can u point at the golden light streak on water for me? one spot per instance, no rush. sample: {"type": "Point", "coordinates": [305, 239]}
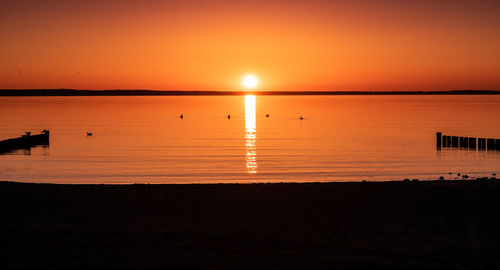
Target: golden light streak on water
{"type": "Point", "coordinates": [250, 134]}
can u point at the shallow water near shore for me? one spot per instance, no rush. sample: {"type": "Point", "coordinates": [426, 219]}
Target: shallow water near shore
{"type": "Point", "coordinates": [141, 139]}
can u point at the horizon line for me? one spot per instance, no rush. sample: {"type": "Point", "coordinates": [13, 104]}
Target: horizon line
{"type": "Point", "coordinates": [146, 92]}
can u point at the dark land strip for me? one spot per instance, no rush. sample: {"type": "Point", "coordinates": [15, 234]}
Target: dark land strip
{"type": "Point", "coordinates": [395, 225]}
{"type": "Point", "coordinates": [74, 92]}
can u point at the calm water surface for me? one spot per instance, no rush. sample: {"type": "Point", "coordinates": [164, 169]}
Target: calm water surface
{"type": "Point", "coordinates": [342, 138]}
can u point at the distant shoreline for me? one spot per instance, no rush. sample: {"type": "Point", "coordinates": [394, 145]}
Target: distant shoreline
{"type": "Point", "coordinates": [74, 92]}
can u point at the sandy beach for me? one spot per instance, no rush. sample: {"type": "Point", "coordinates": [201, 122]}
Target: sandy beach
{"type": "Point", "coordinates": [404, 225]}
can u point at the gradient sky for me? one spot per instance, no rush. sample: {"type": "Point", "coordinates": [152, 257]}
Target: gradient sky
{"type": "Point", "coordinates": [289, 45]}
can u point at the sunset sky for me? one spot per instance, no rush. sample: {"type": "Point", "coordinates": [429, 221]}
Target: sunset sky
{"type": "Point", "coordinates": [288, 45]}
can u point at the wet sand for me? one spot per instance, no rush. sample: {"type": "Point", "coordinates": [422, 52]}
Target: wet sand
{"type": "Point", "coordinates": [402, 225]}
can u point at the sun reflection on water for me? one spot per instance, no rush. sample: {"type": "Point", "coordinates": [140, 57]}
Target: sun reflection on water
{"type": "Point", "coordinates": [250, 134]}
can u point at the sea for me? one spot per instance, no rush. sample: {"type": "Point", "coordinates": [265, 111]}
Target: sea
{"type": "Point", "coordinates": [248, 139]}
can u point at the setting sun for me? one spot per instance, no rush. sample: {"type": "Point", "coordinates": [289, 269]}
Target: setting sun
{"type": "Point", "coordinates": [250, 81]}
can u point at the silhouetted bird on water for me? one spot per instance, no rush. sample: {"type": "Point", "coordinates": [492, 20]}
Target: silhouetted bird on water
{"type": "Point", "coordinates": [301, 118]}
{"type": "Point", "coordinates": [228, 116]}
{"type": "Point", "coordinates": [89, 133]}
{"type": "Point", "coordinates": [27, 133]}
{"type": "Point", "coordinates": [182, 116]}
{"type": "Point", "coordinates": [267, 115]}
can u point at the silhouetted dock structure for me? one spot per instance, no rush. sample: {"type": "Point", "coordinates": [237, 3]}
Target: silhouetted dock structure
{"type": "Point", "coordinates": [446, 141]}
{"type": "Point", "coordinates": [25, 142]}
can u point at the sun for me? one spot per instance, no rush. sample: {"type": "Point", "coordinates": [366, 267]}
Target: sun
{"type": "Point", "coordinates": [250, 81]}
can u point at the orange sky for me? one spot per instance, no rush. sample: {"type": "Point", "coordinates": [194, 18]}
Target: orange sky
{"type": "Point", "coordinates": [289, 45]}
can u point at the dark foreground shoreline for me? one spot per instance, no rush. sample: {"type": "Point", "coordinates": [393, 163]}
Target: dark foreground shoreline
{"type": "Point", "coordinates": [395, 225]}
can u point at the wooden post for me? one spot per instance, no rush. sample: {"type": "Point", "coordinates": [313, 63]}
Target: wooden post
{"type": "Point", "coordinates": [491, 144]}
{"type": "Point", "coordinates": [454, 141]}
{"type": "Point", "coordinates": [481, 143]}
{"type": "Point", "coordinates": [464, 142]}
{"type": "Point", "coordinates": [438, 140]}
{"type": "Point", "coordinates": [472, 143]}
{"type": "Point", "coordinates": [448, 141]}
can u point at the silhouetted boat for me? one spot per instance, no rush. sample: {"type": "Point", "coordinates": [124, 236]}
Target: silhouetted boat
{"type": "Point", "coordinates": [25, 142]}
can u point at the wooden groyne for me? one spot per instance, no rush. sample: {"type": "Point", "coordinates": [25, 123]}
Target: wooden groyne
{"type": "Point", "coordinates": [25, 142]}
{"type": "Point", "coordinates": [483, 144]}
